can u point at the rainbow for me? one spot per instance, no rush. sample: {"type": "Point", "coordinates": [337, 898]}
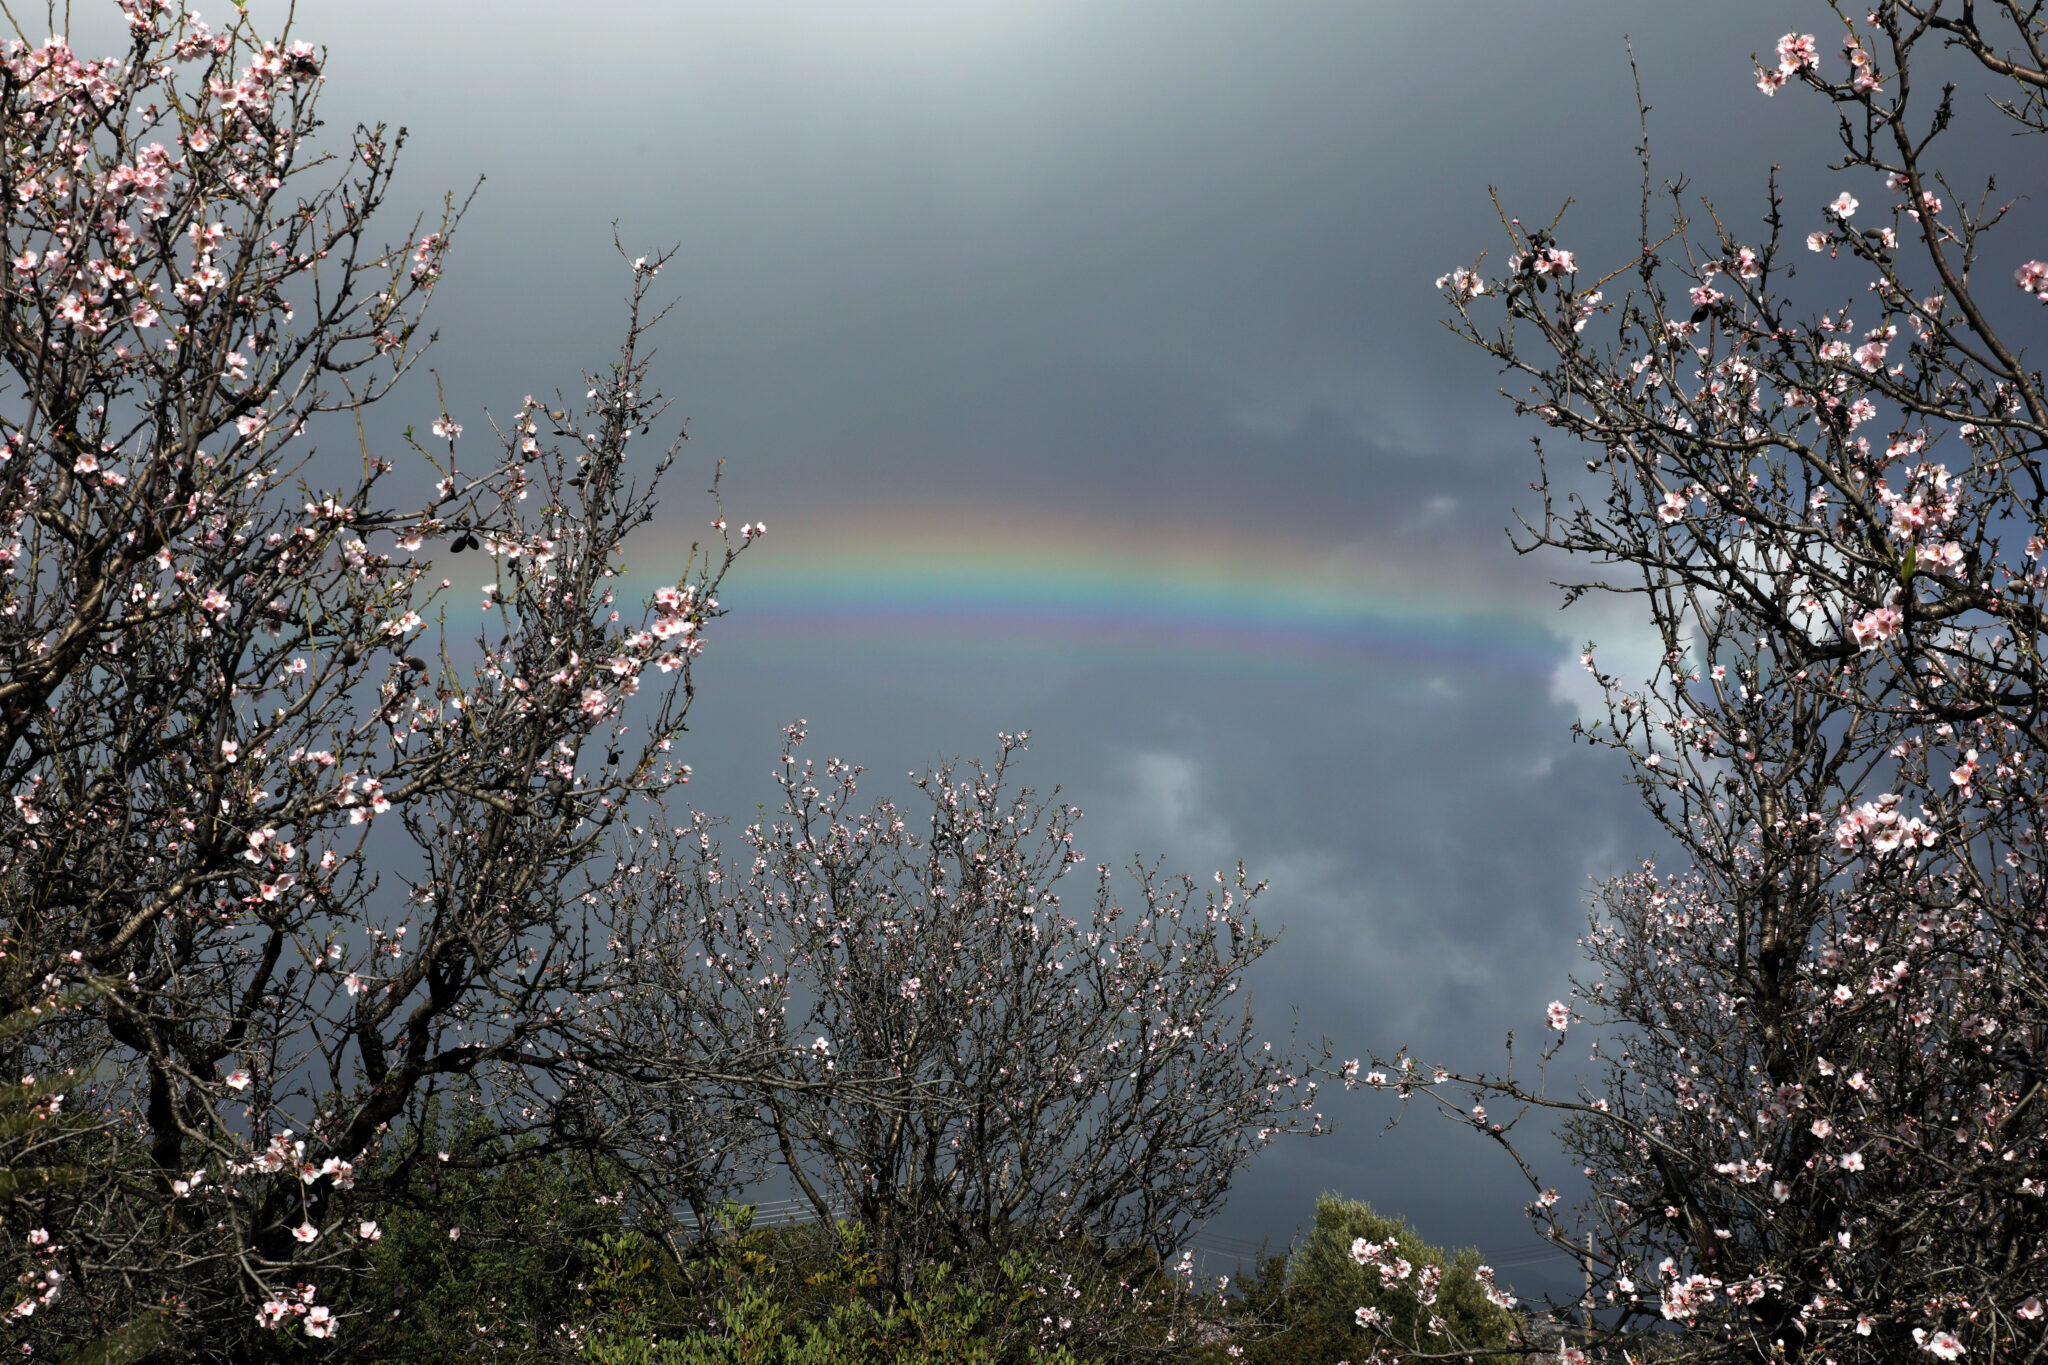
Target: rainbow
{"type": "Point", "coordinates": [989, 585]}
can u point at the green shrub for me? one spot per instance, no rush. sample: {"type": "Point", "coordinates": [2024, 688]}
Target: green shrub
{"type": "Point", "coordinates": [1298, 1309]}
{"type": "Point", "coordinates": [805, 1296]}
{"type": "Point", "coordinates": [532, 1226]}
{"type": "Point", "coordinates": [1341, 1285]}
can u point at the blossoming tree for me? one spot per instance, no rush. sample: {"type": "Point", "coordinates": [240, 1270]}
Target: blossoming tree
{"type": "Point", "coordinates": [1081, 1087]}
{"type": "Point", "coordinates": [1817, 1128]}
{"type": "Point", "coordinates": [222, 697]}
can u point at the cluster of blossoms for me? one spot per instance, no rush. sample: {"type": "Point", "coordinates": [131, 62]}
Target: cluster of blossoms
{"type": "Point", "coordinates": [1464, 284]}
{"type": "Point", "coordinates": [285, 1153]}
{"type": "Point", "coordinates": [1546, 261]}
{"type": "Point", "coordinates": [1877, 626]}
{"type": "Point", "coordinates": [1796, 53]}
{"type": "Point", "coordinates": [41, 1281]}
{"type": "Point", "coordinates": [2032, 278]}
{"type": "Point", "coordinates": [315, 1320]}
{"type": "Point", "coordinates": [1881, 827]}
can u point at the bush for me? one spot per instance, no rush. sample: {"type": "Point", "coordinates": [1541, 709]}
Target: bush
{"type": "Point", "coordinates": [493, 1250]}
{"type": "Point", "coordinates": [804, 1296]}
{"type": "Point", "coordinates": [1298, 1309]}
{"type": "Point", "coordinates": [1325, 1270]}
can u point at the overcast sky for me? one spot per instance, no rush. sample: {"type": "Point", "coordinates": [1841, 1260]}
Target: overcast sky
{"type": "Point", "coordinates": [1084, 363]}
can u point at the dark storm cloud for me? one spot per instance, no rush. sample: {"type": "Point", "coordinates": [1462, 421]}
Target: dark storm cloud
{"type": "Point", "coordinates": [889, 212]}
{"type": "Point", "coordinates": [1162, 260]}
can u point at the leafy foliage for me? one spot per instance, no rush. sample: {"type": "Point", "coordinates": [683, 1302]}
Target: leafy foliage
{"type": "Point", "coordinates": [492, 1251]}
{"type": "Point", "coordinates": [1300, 1308]}
{"type": "Point", "coordinates": [809, 1296]}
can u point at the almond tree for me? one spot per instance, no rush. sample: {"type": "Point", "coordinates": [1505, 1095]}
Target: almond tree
{"type": "Point", "coordinates": [1080, 1087]}
{"type": "Point", "coordinates": [1817, 1128]}
{"type": "Point", "coordinates": [315, 857]}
